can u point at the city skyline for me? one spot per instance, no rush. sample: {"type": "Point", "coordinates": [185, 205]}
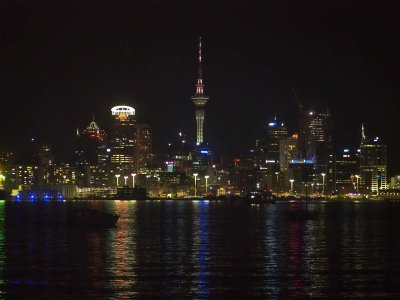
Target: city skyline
{"type": "Point", "coordinates": [63, 75]}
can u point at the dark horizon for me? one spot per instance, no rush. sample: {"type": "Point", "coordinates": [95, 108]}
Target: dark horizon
{"type": "Point", "coordinates": [61, 63]}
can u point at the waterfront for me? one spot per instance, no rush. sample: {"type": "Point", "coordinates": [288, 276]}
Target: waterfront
{"type": "Point", "coordinates": [200, 249]}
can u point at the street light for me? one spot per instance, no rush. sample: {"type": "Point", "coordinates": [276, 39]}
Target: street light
{"type": "Point", "coordinates": [195, 184]}
{"type": "Point", "coordinates": [125, 179]}
{"type": "Point", "coordinates": [291, 185]}
{"type": "Point", "coordinates": [206, 177]}
{"type": "Point", "coordinates": [117, 176]}
{"type": "Point", "coordinates": [277, 181]}
{"type": "Point", "coordinates": [133, 179]}
{"type": "Point", "coordinates": [357, 178]}
{"type": "Point", "coordinates": [323, 183]}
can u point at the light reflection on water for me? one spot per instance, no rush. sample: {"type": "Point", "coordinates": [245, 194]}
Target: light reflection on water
{"type": "Point", "coordinates": [201, 250]}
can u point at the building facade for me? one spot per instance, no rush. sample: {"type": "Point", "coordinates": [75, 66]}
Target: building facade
{"type": "Point", "coordinates": [373, 164]}
{"type": "Point", "coordinates": [317, 144]}
{"type": "Point", "coordinates": [122, 135]}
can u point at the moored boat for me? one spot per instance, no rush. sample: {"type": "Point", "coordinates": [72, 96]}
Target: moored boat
{"type": "Point", "coordinates": [260, 197]}
{"type": "Point", "coordinates": [128, 193]}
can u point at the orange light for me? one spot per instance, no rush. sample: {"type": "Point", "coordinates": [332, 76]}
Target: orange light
{"type": "Point", "coordinates": [122, 116]}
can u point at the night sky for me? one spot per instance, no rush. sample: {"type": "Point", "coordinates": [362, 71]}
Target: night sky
{"type": "Point", "coordinates": [62, 62]}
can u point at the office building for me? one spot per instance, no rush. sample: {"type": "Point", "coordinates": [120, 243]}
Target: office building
{"type": "Point", "coordinates": [373, 164]}
{"type": "Point", "coordinates": [347, 171]}
{"type": "Point", "coordinates": [122, 135]}
{"type": "Point", "coordinates": [317, 144]}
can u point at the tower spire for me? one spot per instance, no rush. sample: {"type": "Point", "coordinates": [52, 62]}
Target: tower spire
{"type": "Point", "coordinates": [362, 133]}
{"type": "Point", "coordinates": [200, 70]}
{"type": "Point", "coordinates": [200, 100]}
{"type": "Point", "coordinates": [200, 85]}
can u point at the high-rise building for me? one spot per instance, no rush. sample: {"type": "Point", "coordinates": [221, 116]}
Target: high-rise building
{"type": "Point", "coordinates": [275, 132]}
{"type": "Point", "coordinates": [317, 142]}
{"type": "Point", "coordinates": [288, 150]}
{"type": "Point", "coordinates": [200, 100]}
{"type": "Point", "coordinates": [372, 163]}
{"type": "Point", "coordinates": [143, 146]}
{"type": "Point", "coordinates": [347, 171]}
{"type": "Point", "coordinates": [122, 135]}
{"type": "Point", "coordinates": [268, 154]}
{"type": "Point", "coordinates": [91, 141]}
{"type": "Point", "coordinates": [268, 147]}
{"type": "Point", "coordinates": [45, 161]}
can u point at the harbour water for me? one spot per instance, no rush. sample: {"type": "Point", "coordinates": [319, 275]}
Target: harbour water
{"type": "Point", "coordinates": [200, 249]}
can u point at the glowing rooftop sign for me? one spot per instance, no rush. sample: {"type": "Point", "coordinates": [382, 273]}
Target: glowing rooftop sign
{"type": "Point", "coordinates": [122, 110]}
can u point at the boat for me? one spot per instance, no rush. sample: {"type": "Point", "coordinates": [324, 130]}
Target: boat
{"type": "Point", "coordinates": [260, 197]}
{"type": "Point", "coordinates": [128, 193]}
{"type": "Point", "coordinates": [89, 217]}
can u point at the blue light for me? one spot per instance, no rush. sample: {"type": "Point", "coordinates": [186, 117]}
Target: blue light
{"type": "Point", "coordinates": [302, 161]}
{"type": "Point", "coordinates": [272, 124]}
{"type": "Point", "coordinates": [204, 152]}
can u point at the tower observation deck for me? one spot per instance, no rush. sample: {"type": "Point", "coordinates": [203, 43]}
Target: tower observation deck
{"type": "Point", "coordinates": [200, 100]}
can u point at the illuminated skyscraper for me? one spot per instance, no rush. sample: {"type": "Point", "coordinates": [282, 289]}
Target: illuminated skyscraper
{"type": "Point", "coordinates": [288, 150]}
{"type": "Point", "coordinates": [347, 171]}
{"type": "Point", "coordinates": [268, 145]}
{"type": "Point", "coordinates": [317, 139]}
{"type": "Point", "coordinates": [123, 135]}
{"type": "Point", "coordinates": [372, 163]}
{"type": "Point", "coordinates": [275, 132]}
{"type": "Point", "coordinates": [200, 100]}
{"type": "Point", "coordinates": [268, 154]}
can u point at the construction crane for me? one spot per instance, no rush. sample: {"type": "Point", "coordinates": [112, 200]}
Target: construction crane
{"type": "Point", "coordinates": [300, 106]}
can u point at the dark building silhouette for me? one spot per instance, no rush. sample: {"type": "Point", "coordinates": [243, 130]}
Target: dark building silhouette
{"type": "Point", "coordinates": [143, 146]}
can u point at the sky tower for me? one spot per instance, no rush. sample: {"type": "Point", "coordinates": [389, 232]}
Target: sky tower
{"type": "Point", "coordinates": [200, 100]}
